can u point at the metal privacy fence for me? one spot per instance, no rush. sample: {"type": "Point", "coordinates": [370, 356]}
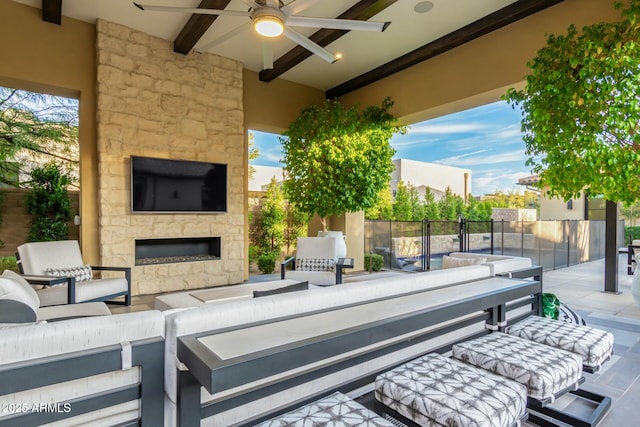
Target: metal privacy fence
{"type": "Point", "coordinates": [420, 245]}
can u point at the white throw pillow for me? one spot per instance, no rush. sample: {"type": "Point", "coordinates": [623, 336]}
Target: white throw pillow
{"type": "Point", "coordinates": [453, 262]}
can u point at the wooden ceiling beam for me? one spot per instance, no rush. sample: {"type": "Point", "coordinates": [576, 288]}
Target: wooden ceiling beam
{"type": "Point", "coordinates": [505, 16]}
{"type": "Point", "coordinates": [363, 10]}
{"type": "Point", "coordinates": [196, 26]}
{"type": "Point", "coordinates": [52, 11]}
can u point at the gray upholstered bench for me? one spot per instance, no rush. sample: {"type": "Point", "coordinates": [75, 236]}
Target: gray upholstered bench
{"type": "Point", "coordinates": [547, 372]}
{"type": "Point", "coordinates": [436, 390]}
{"type": "Point", "coordinates": [594, 345]}
{"type": "Point", "coordinates": [331, 411]}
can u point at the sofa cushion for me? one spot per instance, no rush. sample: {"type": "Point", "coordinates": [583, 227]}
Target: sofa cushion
{"type": "Point", "coordinates": [436, 390]}
{"type": "Point", "coordinates": [454, 262]}
{"type": "Point", "coordinates": [336, 410]}
{"type": "Point", "coordinates": [18, 289]}
{"type": "Point", "coordinates": [315, 264]}
{"type": "Point", "coordinates": [544, 370]}
{"type": "Point", "coordinates": [35, 257]}
{"type": "Point", "coordinates": [302, 286]}
{"type": "Point", "coordinates": [594, 345]}
{"type": "Point", "coordinates": [82, 273]}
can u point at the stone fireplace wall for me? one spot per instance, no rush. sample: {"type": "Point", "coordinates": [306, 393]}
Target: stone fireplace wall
{"type": "Point", "coordinates": [157, 103]}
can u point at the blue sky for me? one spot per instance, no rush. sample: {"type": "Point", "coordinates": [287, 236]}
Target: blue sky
{"type": "Point", "coordinates": [485, 139]}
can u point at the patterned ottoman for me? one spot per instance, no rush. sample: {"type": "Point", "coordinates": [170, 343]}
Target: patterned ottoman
{"type": "Point", "coordinates": [336, 410]}
{"type": "Point", "coordinates": [594, 345]}
{"type": "Point", "coordinates": [437, 391]}
{"type": "Point", "coordinates": [544, 370]}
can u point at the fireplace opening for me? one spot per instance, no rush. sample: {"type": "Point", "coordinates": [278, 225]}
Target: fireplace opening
{"type": "Point", "coordinates": [163, 251]}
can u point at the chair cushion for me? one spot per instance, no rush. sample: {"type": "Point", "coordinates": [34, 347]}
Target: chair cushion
{"type": "Point", "coordinates": [82, 273]}
{"type": "Point", "coordinates": [544, 370]}
{"type": "Point", "coordinates": [35, 257]}
{"type": "Point", "coordinates": [85, 291]}
{"type": "Point", "coordinates": [594, 345]}
{"type": "Point", "coordinates": [315, 264]}
{"type": "Point", "coordinates": [437, 390]}
{"type": "Point", "coordinates": [332, 411]}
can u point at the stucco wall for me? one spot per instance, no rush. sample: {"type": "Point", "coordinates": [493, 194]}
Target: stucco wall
{"type": "Point", "coordinates": [154, 102]}
{"type": "Point", "coordinates": [59, 60]}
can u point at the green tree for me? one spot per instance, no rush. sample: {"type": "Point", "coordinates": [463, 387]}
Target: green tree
{"type": "Point", "coordinates": [49, 203]}
{"type": "Point", "coordinates": [272, 219]}
{"type": "Point", "coordinates": [451, 206]}
{"type": "Point", "coordinates": [38, 125]}
{"type": "Point", "coordinates": [254, 153]}
{"type": "Point", "coordinates": [431, 209]}
{"type": "Point", "coordinates": [402, 210]}
{"type": "Point", "coordinates": [477, 210]}
{"type": "Point", "coordinates": [383, 209]}
{"type": "Point", "coordinates": [295, 225]}
{"type": "Point", "coordinates": [337, 160]}
{"type": "Point", "coordinates": [581, 110]}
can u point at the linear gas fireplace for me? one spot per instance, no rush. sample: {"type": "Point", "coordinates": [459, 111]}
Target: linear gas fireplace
{"type": "Point", "coordinates": [164, 251]}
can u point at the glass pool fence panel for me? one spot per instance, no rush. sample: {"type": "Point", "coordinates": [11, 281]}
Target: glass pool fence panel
{"type": "Point", "coordinates": [419, 246]}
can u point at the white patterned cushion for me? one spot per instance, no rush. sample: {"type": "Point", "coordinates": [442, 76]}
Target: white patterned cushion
{"type": "Point", "coordinates": [544, 370]}
{"type": "Point", "coordinates": [436, 390]}
{"type": "Point", "coordinates": [332, 411]}
{"type": "Point", "coordinates": [82, 273]}
{"type": "Point", "coordinates": [315, 264]}
{"type": "Point", "coordinates": [594, 345]}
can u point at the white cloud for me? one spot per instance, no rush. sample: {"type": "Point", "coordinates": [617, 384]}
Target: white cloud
{"type": "Point", "coordinates": [474, 159]}
{"type": "Point", "coordinates": [446, 128]}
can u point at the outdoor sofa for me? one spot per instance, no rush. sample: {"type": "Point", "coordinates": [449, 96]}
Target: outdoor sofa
{"type": "Point", "coordinates": [127, 357]}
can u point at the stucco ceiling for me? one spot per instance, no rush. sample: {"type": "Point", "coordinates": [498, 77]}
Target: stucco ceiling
{"type": "Point", "coordinates": [362, 51]}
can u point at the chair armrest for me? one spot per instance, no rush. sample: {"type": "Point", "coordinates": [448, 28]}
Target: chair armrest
{"type": "Point", "coordinates": [283, 265]}
{"type": "Point", "coordinates": [341, 265]}
{"type": "Point", "coordinates": [125, 270]}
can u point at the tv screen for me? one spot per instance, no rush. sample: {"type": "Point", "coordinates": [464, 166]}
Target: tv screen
{"type": "Point", "coordinates": [162, 185]}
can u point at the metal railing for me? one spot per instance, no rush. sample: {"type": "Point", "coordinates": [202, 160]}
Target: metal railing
{"type": "Point", "coordinates": [420, 245]}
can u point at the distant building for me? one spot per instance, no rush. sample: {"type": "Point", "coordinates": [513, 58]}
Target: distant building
{"type": "Point", "coordinates": [419, 174]}
{"type": "Point", "coordinates": [262, 177]}
{"type": "Point", "coordinates": [437, 177]}
{"type": "Point", "coordinates": [557, 209]}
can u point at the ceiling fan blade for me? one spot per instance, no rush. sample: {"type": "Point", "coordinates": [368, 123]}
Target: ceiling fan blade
{"type": "Point", "coordinates": [337, 24]}
{"type": "Point", "coordinates": [267, 55]}
{"type": "Point", "coordinates": [298, 6]}
{"type": "Point", "coordinates": [199, 11]}
{"type": "Point", "coordinates": [310, 45]}
{"type": "Point", "coordinates": [225, 36]}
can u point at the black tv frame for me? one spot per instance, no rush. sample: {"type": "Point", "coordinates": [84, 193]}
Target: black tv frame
{"type": "Point", "coordinates": [168, 162]}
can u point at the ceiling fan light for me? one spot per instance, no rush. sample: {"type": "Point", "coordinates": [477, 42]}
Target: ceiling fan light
{"type": "Point", "coordinates": [268, 26]}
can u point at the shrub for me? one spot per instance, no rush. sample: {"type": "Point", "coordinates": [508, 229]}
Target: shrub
{"type": "Point", "coordinates": [49, 203]}
{"type": "Point", "coordinates": [631, 233]}
{"type": "Point", "coordinates": [8, 263]}
{"type": "Point", "coordinates": [254, 251]}
{"type": "Point", "coordinates": [373, 262]}
{"type": "Point", "coordinates": [267, 262]}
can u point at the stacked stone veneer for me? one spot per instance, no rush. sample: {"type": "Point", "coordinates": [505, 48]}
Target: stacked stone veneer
{"type": "Point", "coordinates": [157, 103]}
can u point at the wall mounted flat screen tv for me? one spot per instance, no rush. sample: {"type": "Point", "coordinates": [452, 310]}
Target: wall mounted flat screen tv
{"type": "Point", "coordinates": [163, 185]}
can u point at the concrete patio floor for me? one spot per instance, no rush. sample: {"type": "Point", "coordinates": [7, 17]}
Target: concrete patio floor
{"type": "Point", "coordinates": [579, 286]}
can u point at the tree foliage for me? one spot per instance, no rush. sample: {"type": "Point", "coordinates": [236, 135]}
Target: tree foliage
{"type": "Point", "coordinates": [254, 153]}
{"type": "Point", "coordinates": [49, 203]}
{"type": "Point", "coordinates": [337, 160]}
{"type": "Point", "coordinates": [581, 110]}
{"type": "Point", "coordinates": [36, 128]}
{"type": "Point", "coordinates": [272, 219]}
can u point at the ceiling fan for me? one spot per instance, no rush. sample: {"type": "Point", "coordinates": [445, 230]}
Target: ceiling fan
{"type": "Point", "coordinates": [270, 19]}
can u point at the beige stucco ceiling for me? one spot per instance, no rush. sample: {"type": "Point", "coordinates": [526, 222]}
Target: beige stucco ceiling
{"type": "Point", "coordinates": [362, 51]}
